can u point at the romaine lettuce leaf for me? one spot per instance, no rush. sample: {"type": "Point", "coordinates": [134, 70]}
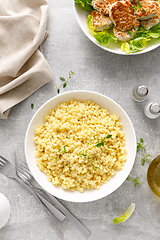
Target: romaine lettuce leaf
{"type": "Point", "coordinates": [126, 215]}
{"type": "Point", "coordinates": [135, 45]}
{"type": "Point", "coordinates": [102, 37]}
{"type": "Point", "coordinates": [86, 4]}
{"type": "Point", "coordinates": [141, 39]}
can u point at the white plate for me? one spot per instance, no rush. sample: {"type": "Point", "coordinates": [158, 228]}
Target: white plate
{"type": "Point", "coordinates": [87, 195]}
{"type": "Point", "coordinates": [113, 47]}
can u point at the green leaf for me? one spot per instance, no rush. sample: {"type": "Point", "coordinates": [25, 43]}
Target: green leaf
{"type": "Point", "coordinates": [140, 6]}
{"type": "Point", "coordinates": [104, 37]}
{"type": "Point", "coordinates": [95, 168]}
{"type": "Point", "coordinates": [139, 145]}
{"type": "Point", "coordinates": [90, 25]}
{"type": "Point", "coordinates": [86, 4]}
{"type": "Point", "coordinates": [108, 136]}
{"type": "Point", "coordinates": [62, 78]}
{"type": "Point", "coordinates": [83, 154]}
{"type": "Point", "coordinates": [99, 144]}
{"type": "Point", "coordinates": [126, 215]}
{"type": "Point", "coordinates": [64, 85]}
{"type": "Point", "coordinates": [32, 105]}
{"type": "Point", "coordinates": [134, 7]}
{"type": "Point", "coordinates": [125, 47]}
{"type": "Point", "coordinates": [58, 90]}
{"type": "Point", "coordinates": [141, 140]}
{"type": "Point", "coordinates": [65, 149]}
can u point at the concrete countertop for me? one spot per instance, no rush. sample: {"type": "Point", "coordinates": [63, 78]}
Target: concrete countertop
{"type": "Point", "coordinates": [68, 49]}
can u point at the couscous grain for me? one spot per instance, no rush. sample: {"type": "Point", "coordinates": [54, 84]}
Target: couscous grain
{"type": "Point", "coordinates": [80, 146]}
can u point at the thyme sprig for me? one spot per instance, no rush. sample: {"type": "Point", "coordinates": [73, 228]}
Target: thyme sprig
{"type": "Point", "coordinates": [101, 143]}
{"type": "Point", "coordinates": [64, 83]}
{"type": "Point", "coordinates": [140, 145]}
{"type": "Point", "coordinates": [135, 180]}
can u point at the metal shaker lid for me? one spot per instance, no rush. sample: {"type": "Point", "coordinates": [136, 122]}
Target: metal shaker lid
{"type": "Point", "coordinates": [155, 108]}
{"type": "Point", "coordinates": [142, 91]}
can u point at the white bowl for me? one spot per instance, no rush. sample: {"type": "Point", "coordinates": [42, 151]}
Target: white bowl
{"type": "Point", "coordinates": [87, 195]}
{"type": "Point", "coordinates": [113, 47]}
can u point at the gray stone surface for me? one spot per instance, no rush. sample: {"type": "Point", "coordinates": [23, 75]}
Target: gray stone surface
{"type": "Point", "coordinates": [66, 49]}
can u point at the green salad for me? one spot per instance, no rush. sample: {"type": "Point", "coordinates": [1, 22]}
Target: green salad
{"type": "Point", "coordinates": [138, 43]}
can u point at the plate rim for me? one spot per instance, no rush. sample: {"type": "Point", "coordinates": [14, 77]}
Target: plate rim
{"type": "Point", "coordinates": [91, 38]}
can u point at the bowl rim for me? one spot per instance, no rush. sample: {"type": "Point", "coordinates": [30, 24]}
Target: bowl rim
{"type": "Point", "coordinates": [31, 165]}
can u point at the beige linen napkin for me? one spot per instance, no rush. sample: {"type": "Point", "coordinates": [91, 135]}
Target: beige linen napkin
{"type": "Point", "coordinates": [23, 68]}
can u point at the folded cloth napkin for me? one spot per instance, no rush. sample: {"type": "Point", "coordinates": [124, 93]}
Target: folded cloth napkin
{"type": "Point", "coordinates": [23, 68]}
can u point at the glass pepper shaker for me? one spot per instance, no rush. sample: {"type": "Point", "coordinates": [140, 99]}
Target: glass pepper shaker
{"type": "Point", "coordinates": [152, 110]}
{"type": "Point", "coordinates": [140, 93]}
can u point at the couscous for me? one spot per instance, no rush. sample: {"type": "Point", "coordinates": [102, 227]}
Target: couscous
{"type": "Point", "coordinates": [80, 146]}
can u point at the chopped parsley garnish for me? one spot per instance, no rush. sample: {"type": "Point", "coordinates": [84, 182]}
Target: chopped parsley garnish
{"type": "Point", "coordinates": [139, 4]}
{"type": "Point", "coordinates": [82, 153]}
{"type": "Point", "coordinates": [95, 168]}
{"type": "Point", "coordinates": [134, 28]}
{"type": "Point", "coordinates": [134, 7]}
{"type": "Point", "coordinates": [129, 33]}
{"type": "Point", "coordinates": [64, 149]}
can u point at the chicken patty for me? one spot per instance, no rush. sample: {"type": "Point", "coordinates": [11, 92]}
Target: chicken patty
{"type": "Point", "coordinates": [103, 6]}
{"type": "Point", "coordinates": [122, 15]}
{"type": "Point", "coordinates": [144, 9]}
{"type": "Point", "coordinates": [128, 35]}
{"type": "Point", "coordinates": [99, 21]}
{"type": "Point", "coordinates": [149, 23]}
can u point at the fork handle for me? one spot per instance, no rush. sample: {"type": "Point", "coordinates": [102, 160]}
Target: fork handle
{"type": "Point", "coordinates": [50, 207]}
{"type": "Point", "coordinates": [71, 217]}
{"type": "Point", "coordinates": [47, 204]}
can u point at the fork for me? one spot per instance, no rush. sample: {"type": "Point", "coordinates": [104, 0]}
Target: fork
{"type": "Point", "coordinates": [8, 169]}
{"type": "Point", "coordinates": [27, 176]}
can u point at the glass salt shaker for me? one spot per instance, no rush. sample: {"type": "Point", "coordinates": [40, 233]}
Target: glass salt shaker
{"type": "Point", "coordinates": [152, 110]}
{"type": "Point", "coordinates": [140, 93]}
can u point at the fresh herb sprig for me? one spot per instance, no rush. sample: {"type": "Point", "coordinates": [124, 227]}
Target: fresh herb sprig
{"type": "Point", "coordinates": [134, 7]}
{"type": "Point", "coordinates": [82, 153]}
{"type": "Point", "coordinates": [135, 180]}
{"type": "Point", "coordinates": [140, 6]}
{"type": "Point", "coordinates": [64, 149]}
{"type": "Point", "coordinates": [64, 83]}
{"type": "Point", "coordinates": [140, 145]}
{"type": "Point", "coordinates": [101, 143]}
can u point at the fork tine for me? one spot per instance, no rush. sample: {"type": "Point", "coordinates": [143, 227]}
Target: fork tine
{"type": "Point", "coordinates": [1, 164]}
{"type": "Point", "coordinates": [2, 160]}
{"type": "Point", "coordinates": [25, 169]}
{"type": "Point", "coordinates": [23, 172]}
{"type": "Point", "coordinates": [23, 176]}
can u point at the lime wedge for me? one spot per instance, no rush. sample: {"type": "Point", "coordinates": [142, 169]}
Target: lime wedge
{"type": "Point", "coordinates": [126, 215]}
